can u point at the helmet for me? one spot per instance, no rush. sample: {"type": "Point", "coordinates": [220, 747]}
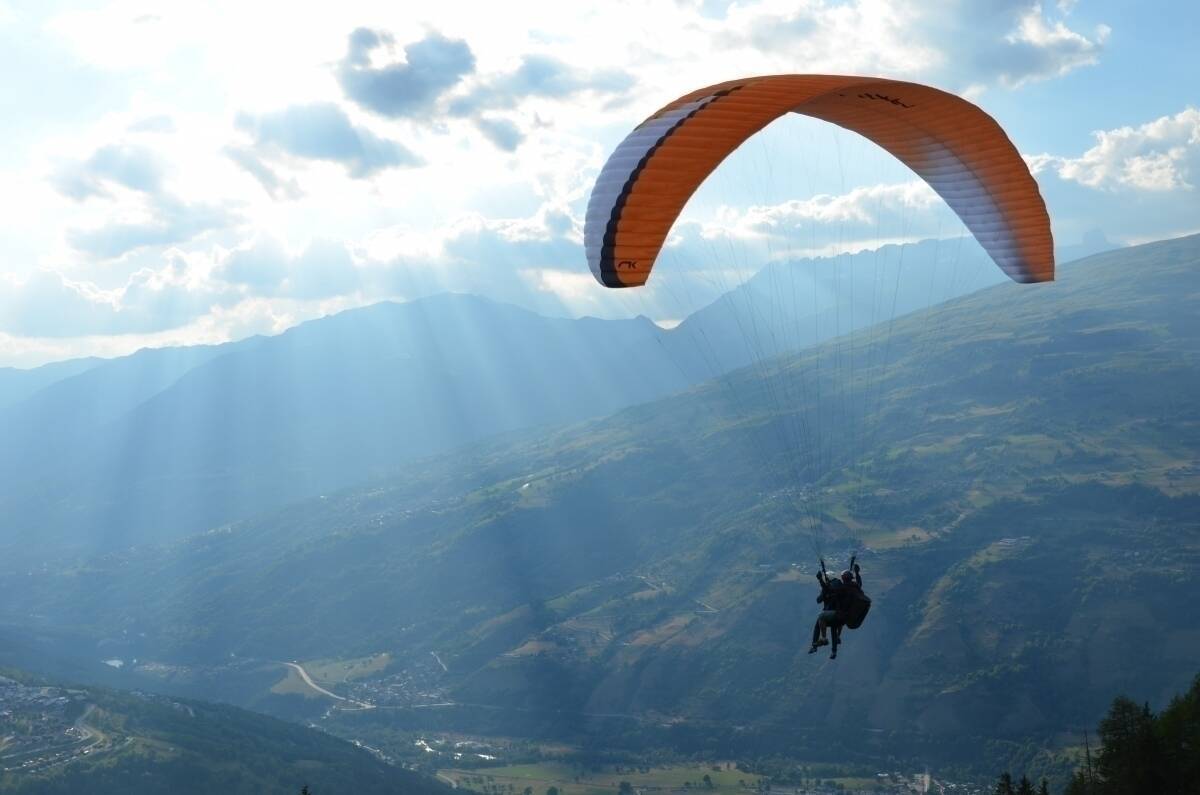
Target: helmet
{"type": "Point", "coordinates": [847, 577]}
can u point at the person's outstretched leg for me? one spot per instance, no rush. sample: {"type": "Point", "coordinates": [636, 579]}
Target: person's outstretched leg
{"type": "Point", "coordinates": [819, 631]}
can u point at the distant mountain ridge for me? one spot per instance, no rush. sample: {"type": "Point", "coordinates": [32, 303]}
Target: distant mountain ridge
{"type": "Point", "coordinates": [16, 384]}
{"type": "Point", "coordinates": [167, 442]}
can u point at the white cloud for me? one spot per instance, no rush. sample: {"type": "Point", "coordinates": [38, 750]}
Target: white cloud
{"type": "Point", "coordinates": [1041, 48]}
{"type": "Point", "coordinates": [135, 180]}
{"type": "Point", "coordinates": [817, 36]}
{"type": "Point", "coordinates": [573, 288]}
{"type": "Point", "coordinates": [1159, 156]}
{"type": "Point", "coordinates": [324, 269]}
{"type": "Point", "coordinates": [48, 303]}
{"type": "Point", "coordinates": [323, 131]}
{"type": "Point", "coordinates": [169, 220]}
{"type": "Point", "coordinates": [963, 45]}
{"type": "Point", "coordinates": [861, 206]}
{"type": "Point", "coordinates": [223, 324]}
{"type": "Point", "coordinates": [823, 225]}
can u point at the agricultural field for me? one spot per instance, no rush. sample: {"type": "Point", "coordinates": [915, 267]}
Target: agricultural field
{"type": "Point", "coordinates": [293, 684]}
{"type": "Point", "coordinates": [571, 780]}
{"type": "Point", "coordinates": [716, 777]}
{"type": "Point", "coordinates": [335, 671]}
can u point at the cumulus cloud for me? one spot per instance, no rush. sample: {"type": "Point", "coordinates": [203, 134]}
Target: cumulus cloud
{"type": "Point", "coordinates": [39, 305]}
{"type": "Point", "coordinates": [535, 261]}
{"type": "Point", "coordinates": [540, 76]}
{"type": "Point", "coordinates": [542, 241]}
{"type": "Point", "coordinates": [425, 85]}
{"type": "Point", "coordinates": [168, 221]}
{"type": "Point", "coordinates": [276, 186]}
{"type": "Point", "coordinates": [861, 217]}
{"type": "Point", "coordinates": [1159, 156]}
{"type": "Point", "coordinates": [323, 131]}
{"type": "Point", "coordinates": [962, 44]}
{"type": "Point", "coordinates": [408, 88]}
{"type": "Point", "coordinates": [141, 212]}
{"type": "Point", "coordinates": [131, 166]}
{"type": "Point", "coordinates": [48, 304]}
{"type": "Point", "coordinates": [504, 133]}
{"type": "Point", "coordinates": [323, 270]}
{"type": "Point", "coordinates": [260, 268]}
{"type": "Point", "coordinates": [500, 258]}
{"type": "Point", "coordinates": [855, 37]}
{"type": "Point", "coordinates": [538, 261]}
{"type": "Point", "coordinates": [1038, 48]}
{"type": "Point", "coordinates": [1138, 182]}
{"type": "Point", "coordinates": [537, 77]}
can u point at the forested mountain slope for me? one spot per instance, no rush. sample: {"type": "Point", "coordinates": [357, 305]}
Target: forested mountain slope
{"type": "Point", "coordinates": [71, 739]}
{"type": "Point", "coordinates": [1019, 464]}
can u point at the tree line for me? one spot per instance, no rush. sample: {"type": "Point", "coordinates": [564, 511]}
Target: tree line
{"type": "Point", "coordinates": [1139, 752]}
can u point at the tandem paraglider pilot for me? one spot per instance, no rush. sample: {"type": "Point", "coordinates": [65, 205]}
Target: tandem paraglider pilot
{"type": "Point", "coordinates": [844, 605]}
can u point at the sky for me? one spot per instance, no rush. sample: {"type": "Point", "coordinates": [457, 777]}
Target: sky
{"type": "Point", "coordinates": [200, 172]}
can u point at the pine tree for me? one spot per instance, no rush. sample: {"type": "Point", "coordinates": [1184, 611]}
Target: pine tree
{"type": "Point", "coordinates": [1130, 757]}
{"type": "Point", "coordinates": [1044, 789]}
{"type": "Point", "coordinates": [1005, 785]}
{"type": "Point", "coordinates": [1079, 785]}
{"type": "Point", "coordinates": [1025, 787]}
{"type": "Point", "coordinates": [1179, 732]}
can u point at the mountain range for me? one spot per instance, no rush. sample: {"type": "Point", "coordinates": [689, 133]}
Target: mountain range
{"type": "Point", "coordinates": [1017, 469]}
{"type": "Point", "coordinates": [103, 454]}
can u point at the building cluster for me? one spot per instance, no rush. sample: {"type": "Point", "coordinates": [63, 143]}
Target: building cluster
{"type": "Point", "coordinates": [39, 726]}
{"type": "Point", "coordinates": [419, 684]}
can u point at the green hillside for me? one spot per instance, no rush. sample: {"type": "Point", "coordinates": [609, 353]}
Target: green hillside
{"type": "Point", "coordinates": [74, 739]}
{"type": "Point", "coordinates": [1021, 464]}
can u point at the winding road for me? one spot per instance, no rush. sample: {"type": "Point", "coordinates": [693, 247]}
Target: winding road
{"type": "Point", "coordinates": [308, 681]}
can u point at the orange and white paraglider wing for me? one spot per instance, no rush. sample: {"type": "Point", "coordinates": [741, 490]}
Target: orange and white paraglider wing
{"type": "Point", "coordinates": [958, 149]}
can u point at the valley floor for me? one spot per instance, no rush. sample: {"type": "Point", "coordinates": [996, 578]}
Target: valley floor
{"type": "Point", "coordinates": [718, 777]}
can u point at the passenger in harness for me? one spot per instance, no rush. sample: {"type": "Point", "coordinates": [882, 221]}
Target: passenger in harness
{"type": "Point", "coordinates": [844, 604]}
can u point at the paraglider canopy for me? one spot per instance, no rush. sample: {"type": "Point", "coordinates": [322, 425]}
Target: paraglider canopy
{"type": "Point", "coordinates": [957, 148]}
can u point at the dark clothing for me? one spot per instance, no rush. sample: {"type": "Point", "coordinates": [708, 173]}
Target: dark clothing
{"type": "Point", "coordinates": [830, 618]}
{"type": "Point", "coordinates": [844, 597]}
{"type": "Point", "coordinates": [839, 595]}
{"type": "Point", "coordinates": [836, 596]}
{"type": "Point", "coordinates": [829, 590]}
